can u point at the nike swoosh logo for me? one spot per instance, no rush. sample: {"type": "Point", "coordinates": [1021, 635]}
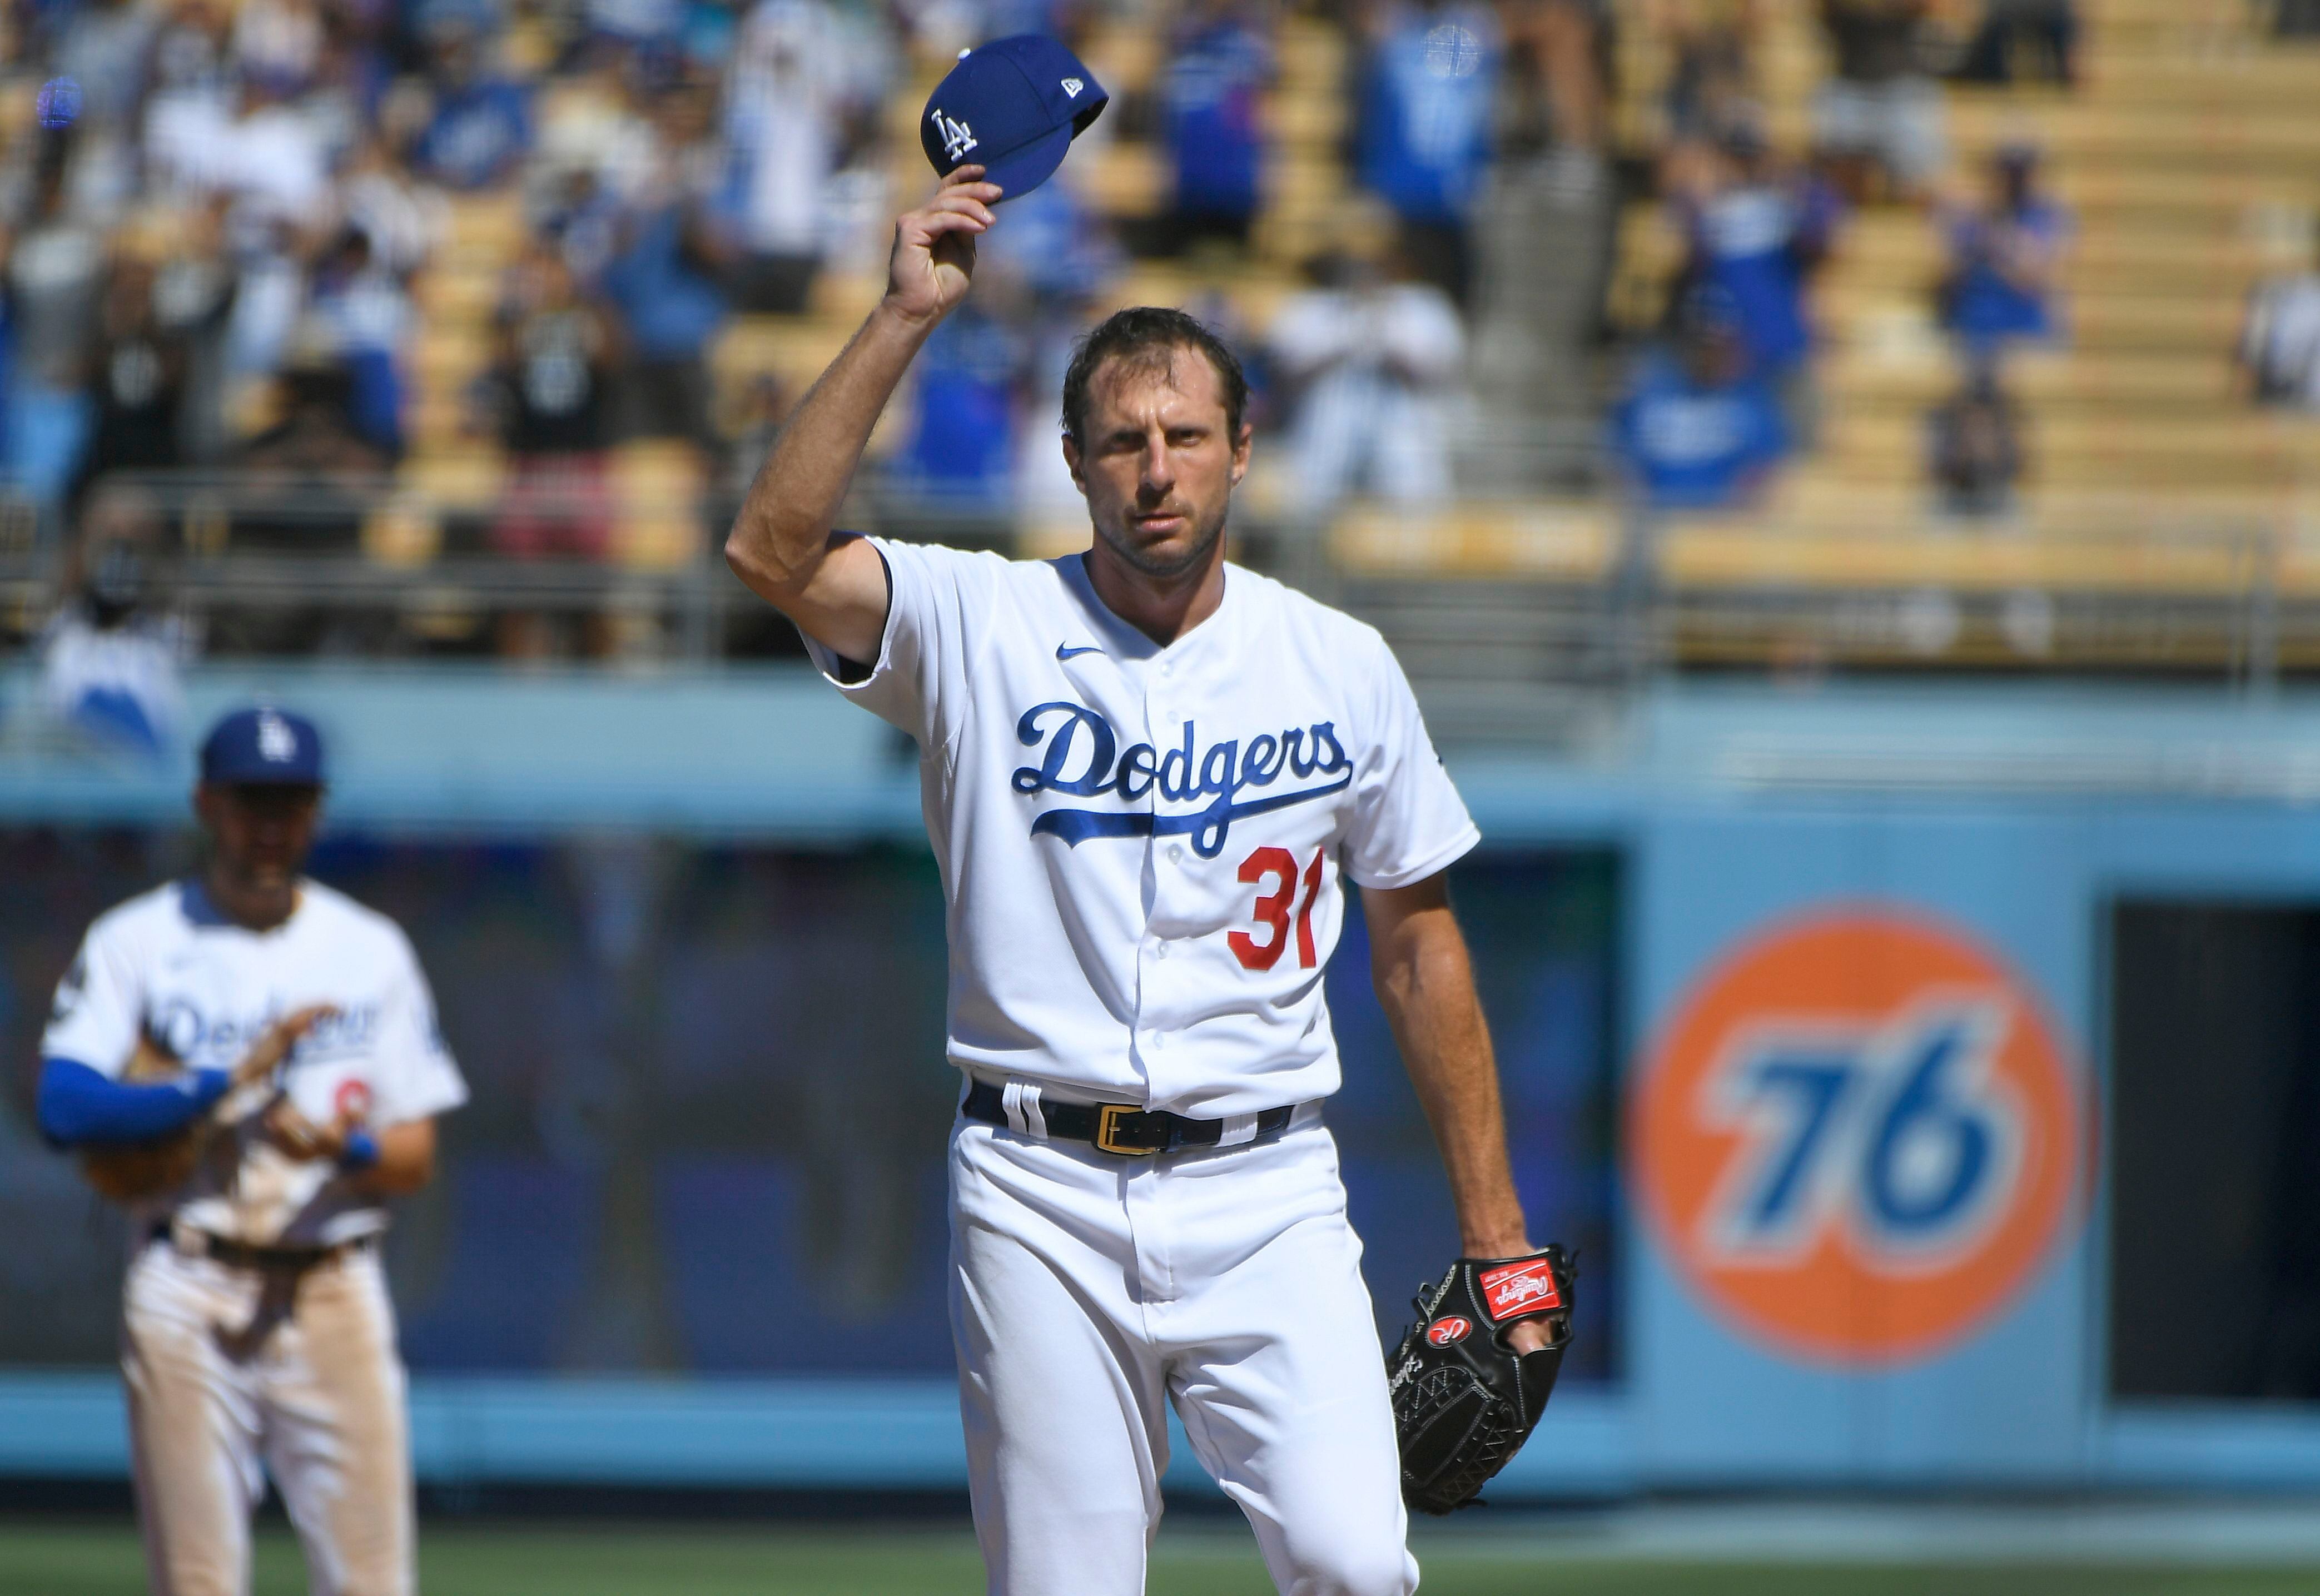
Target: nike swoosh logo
{"type": "Point", "coordinates": [1062, 652]}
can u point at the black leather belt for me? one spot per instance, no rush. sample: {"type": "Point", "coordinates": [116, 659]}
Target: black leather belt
{"type": "Point", "coordinates": [1117, 1126]}
{"type": "Point", "coordinates": [240, 1255]}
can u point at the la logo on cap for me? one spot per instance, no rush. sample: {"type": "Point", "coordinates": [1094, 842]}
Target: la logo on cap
{"type": "Point", "coordinates": [956, 136]}
{"type": "Point", "coordinates": [276, 743]}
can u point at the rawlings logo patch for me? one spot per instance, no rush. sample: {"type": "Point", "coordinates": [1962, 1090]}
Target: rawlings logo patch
{"type": "Point", "coordinates": [1512, 1289]}
{"type": "Point", "coordinates": [1451, 1328]}
{"type": "Point", "coordinates": [352, 1100]}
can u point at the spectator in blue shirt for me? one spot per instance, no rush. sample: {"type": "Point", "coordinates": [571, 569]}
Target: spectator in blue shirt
{"type": "Point", "coordinates": [962, 451]}
{"type": "Point", "coordinates": [1758, 231]}
{"type": "Point", "coordinates": [2006, 257]}
{"type": "Point", "coordinates": [482, 124]}
{"type": "Point", "coordinates": [666, 279]}
{"type": "Point", "coordinates": [1422, 128]}
{"type": "Point", "coordinates": [1699, 428]}
{"type": "Point", "coordinates": [1212, 98]}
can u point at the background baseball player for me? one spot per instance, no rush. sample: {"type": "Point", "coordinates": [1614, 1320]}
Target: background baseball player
{"type": "Point", "coordinates": [253, 1059]}
{"type": "Point", "coordinates": [1147, 773]}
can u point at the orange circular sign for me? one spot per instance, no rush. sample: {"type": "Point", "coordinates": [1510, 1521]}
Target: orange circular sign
{"type": "Point", "coordinates": [1858, 1136]}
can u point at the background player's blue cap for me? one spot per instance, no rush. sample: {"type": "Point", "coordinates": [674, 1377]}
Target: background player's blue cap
{"type": "Point", "coordinates": [1012, 107]}
{"type": "Point", "coordinates": [263, 747]}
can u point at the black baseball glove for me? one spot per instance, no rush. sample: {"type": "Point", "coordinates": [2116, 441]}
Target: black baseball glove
{"type": "Point", "coordinates": [1464, 1403]}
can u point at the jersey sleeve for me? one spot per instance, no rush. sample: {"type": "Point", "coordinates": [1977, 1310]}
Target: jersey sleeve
{"type": "Point", "coordinates": [100, 1004]}
{"type": "Point", "coordinates": [1409, 820]}
{"type": "Point", "coordinates": [417, 1077]}
{"type": "Point", "coordinates": [937, 609]}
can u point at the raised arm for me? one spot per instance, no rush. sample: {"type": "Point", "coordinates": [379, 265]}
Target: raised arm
{"type": "Point", "coordinates": [781, 546]}
{"type": "Point", "coordinates": [1418, 960]}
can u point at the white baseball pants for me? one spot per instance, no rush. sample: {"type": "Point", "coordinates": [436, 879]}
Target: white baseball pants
{"type": "Point", "coordinates": [231, 1374]}
{"type": "Point", "coordinates": [1088, 1291]}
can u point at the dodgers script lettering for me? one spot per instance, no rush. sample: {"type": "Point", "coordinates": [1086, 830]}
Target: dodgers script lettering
{"type": "Point", "coordinates": [1080, 755]}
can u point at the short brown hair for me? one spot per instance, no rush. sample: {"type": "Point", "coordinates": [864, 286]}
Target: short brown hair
{"type": "Point", "coordinates": [1147, 335]}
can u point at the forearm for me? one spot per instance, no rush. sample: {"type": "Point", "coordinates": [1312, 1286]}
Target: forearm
{"type": "Point", "coordinates": [1427, 986]}
{"type": "Point", "coordinates": [405, 1162]}
{"type": "Point", "coordinates": [782, 534]}
{"type": "Point", "coordinates": [77, 1105]}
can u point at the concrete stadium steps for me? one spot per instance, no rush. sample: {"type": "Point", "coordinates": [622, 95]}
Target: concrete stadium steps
{"type": "Point", "coordinates": [2098, 316]}
{"type": "Point", "coordinates": [2240, 138]}
{"type": "Point", "coordinates": [2074, 446]}
{"type": "Point", "coordinates": [1904, 254]}
{"type": "Point", "coordinates": [2197, 383]}
{"type": "Point", "coordinates": [2191, 163]}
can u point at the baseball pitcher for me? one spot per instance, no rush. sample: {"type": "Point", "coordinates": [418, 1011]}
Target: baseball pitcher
{"type": "Point", "coordinates": [1148, 775]}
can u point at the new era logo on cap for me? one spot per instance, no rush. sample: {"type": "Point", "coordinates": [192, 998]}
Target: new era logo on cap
{"type": "Point", "coordinates": [1013, 107]}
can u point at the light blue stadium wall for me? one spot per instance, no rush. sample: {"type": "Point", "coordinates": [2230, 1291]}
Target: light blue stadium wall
{"type": "Point", "coordinates": [2018, 814]}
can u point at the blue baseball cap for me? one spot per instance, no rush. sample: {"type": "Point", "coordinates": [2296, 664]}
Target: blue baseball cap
{"type": "Point", "coordinates": [268, 747]}
{"type": "Point", "coordinates": [1012, 107]}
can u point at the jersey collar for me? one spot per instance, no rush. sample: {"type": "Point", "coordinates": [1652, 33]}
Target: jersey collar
{"type": "Point", "coordinates": [1123, 641]}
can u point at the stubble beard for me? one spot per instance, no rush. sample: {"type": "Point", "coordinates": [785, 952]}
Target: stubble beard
{"type": "Point", "coordinates": [1147, 562]}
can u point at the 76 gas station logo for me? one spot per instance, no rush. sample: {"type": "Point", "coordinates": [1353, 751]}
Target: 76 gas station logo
{"type": "Point", "coordinates": [1857, 1136]}
{"type": "Point", "coordinates": [1899, 1137]}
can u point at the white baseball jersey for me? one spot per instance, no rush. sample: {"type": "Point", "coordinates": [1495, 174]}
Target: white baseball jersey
{"type": "Point", "coordinates": [166, 964]}
{"type": "Point", "coordinates": [1141, 847]}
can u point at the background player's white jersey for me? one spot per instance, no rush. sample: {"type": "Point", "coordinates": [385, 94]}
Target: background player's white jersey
{"type": "Point", "coordinates": [1141, 846]}
{"type": "Point", "coordinates": [167, 964]}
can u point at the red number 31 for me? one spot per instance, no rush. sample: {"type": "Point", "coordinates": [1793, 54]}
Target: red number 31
{"type": "Point", "coordinates": [1273, 909]}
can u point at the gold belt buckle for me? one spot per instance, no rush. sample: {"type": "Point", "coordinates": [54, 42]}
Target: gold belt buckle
{"type": "Point", "coordinates": [1107, 1125]}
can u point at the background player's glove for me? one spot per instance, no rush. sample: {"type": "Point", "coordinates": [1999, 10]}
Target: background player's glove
{"type": "Point", "coordinates": [131, 1172]}
{"type": "Point", "coordinates": [1463, 1403]}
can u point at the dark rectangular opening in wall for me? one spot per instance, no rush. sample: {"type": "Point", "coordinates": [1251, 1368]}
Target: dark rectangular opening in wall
{"type": "Point", "coordinates": [2214, 1266]}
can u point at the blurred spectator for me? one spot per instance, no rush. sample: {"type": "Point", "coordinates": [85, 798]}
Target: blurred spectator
{"type": "Point", "coordinates": [279, 41]}
{"type": "Point", "coordinates": [1213, 99]}
{"type": "Point", "coordinates": [750, 426]}
{"type": "Point", "coordinates": [309, 477]}
{"type": "Point", "coordinates": [1698, 429]}
{"type": "Point", "coordinates": [553, 375]}
{"type": "Point", "coordinates": [192, 297]}
{"type": "Point", "coordinates": [1375, 362]}
{"type": "Point", "coordinates": [109, 668]}
{"type": "Point", "coordinates": [1880, 117]}
{"type": "Point", "coordinates": [666, 278]}
{"type": "Point", "coordinates": [1054, 248]}
{"type": "Point", "coordinates": [56, 273]}
{"type": "Point", "coordinates": [799, 80]}
{"type": "Point", "coordinates": [480, 124]}
{"type": "Point", "coordinates": [1554, 85]}
{"type": "Point", "coordinates": [105, 49]}
{"type": "Point", "coordinates": [1712, 73]}
{"type": "Point", "coordinates": [254, 148]}
{"type": "Point", "coordinates": [1422, 126]}
{"type": "Point", "coordinates": [2296, 19]}
{"type": "Point", "coordinates": [2006, 258]}
{"type": "Point", "coordinates": [1758, 230]}
{"type": "Point", "coordinates": [362, 307]}
{"type": "Point", "coordinates": [380, 200]}
{"type": "Point", "coordinates": [2280, 343]}
{"type": "Point", "coordinates": [140, 365]}
{"type": "Point", "coordinates": [962, 446]}
{"type": "Point", "coordinates": [2037, 38]}
{"type": "Point", "coordinates": [1975, 448]}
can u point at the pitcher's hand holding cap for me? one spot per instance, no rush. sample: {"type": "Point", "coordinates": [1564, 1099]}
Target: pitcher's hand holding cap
{"type": "Point", "coordinates": [1012, 107]}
